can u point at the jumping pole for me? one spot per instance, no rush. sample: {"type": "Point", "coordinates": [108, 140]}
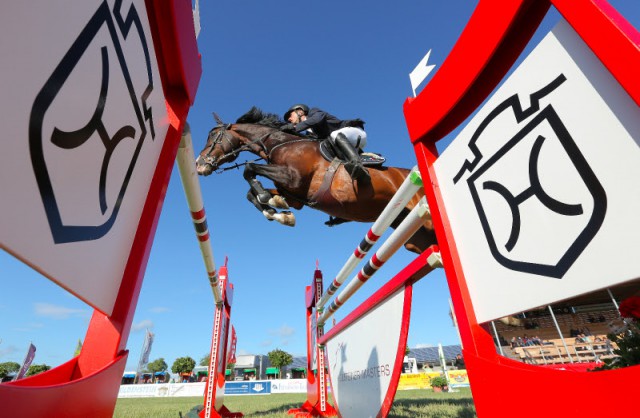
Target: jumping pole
{"type": "Point", "coordinates": [214, 390]}
{"type": "Point", "coordinates": [366, 389]}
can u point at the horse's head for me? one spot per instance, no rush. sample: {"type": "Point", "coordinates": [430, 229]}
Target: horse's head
{"type": "Point", "coordinates": [226, 141]}
{"type": "Point", "coordinates": [223, 146]}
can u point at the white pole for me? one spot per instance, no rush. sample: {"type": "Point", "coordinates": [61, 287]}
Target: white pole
{"type": "Point", "coordinates": [191, 186]}
{"type": "Point", "coordinates": [560, 333]}
{"type": "Point", "coordinates": [405, 230]}
{"type": "Point", "coordinates": [412, 183]}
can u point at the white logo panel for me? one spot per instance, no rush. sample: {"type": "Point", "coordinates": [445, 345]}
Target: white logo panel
{"type": "Point", "coordinates": [85, 127]}
{"type": "Point", "coordinates": [541, 187]}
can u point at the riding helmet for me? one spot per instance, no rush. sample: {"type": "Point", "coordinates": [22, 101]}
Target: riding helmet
{"type": "Point", "coordinates": [304, 108]}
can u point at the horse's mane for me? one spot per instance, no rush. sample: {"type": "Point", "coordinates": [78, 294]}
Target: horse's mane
{"type": "Point", "coordinates": [258, 117]}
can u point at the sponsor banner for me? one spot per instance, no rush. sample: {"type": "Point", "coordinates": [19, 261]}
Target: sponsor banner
{"type": "Point", "coordinates": [457, 378]}
{"type": "Point", "coordinates": [259, 387]}
{"type": "Point", "coordinates": [289, 386]}
{"type": "Point", "coordinates": [161, 390]}
{"type": "Point", "coordinates": [416, 380]}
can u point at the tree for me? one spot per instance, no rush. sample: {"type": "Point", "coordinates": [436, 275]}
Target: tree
{"type": "Point", "coordinates": [8, 368]}
{"type": "Point", "coordinates": [204, 361]}
{"type": "Point", "coordinates": [183, 365]}
{"type": "Point", "coordinates": [158, 365]}
{"type": "Point", "coordinates": [279, 359]}
{"type": "Point", "coordinates": [37, 368]}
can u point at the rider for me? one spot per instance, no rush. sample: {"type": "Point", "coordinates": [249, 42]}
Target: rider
{"type": "Point", "coordinates": [347, 136]}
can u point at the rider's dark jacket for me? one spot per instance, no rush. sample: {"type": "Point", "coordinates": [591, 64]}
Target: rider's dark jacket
{"type": "Point", "coordinates": [323, 123]}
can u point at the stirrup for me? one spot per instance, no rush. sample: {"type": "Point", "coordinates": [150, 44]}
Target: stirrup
{"type": "Point", "coordinates": [357, 171]}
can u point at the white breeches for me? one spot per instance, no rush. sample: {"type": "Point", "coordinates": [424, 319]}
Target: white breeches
{"type": "Point", "coordinates": [356, 136]}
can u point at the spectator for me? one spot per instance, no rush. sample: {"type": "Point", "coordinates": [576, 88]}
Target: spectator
{"type": "Point", "coordinates": [459, 363]}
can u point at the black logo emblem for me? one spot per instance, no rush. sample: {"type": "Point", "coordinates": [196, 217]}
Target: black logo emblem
{"type": "Point", "coordinates": [94, 68]}
{"type": "Point", "coordinates": [565, 192]}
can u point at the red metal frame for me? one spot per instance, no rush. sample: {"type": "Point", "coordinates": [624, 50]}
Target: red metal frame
{"type": "Point", "coordinates": [413, 272]}
{"type": "Point", "coordinates": [218, 354]}
{"type": "Point", "coordinates": [316, 404]}
{"type": "Point", "coordinates": [87, 385]}
{"type": "Point", "coordinates": [493, 39]}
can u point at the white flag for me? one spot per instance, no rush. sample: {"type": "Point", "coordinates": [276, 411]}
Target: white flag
{"type": "Point", "coordinates": [421, 72]}
{"type": "Point", "coordinates": [146, 350]}
{"type": "Point", "coordinates": [196, 19]}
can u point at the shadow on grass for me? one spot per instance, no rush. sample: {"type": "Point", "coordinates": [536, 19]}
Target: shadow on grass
{"type": "Point", "coordinates": [454, 408]}
{"type": "Point", "coordinates": [280, 409]}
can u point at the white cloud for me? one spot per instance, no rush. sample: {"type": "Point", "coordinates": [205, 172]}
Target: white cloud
{"type": "Point", "coordinates": [266, 343]}
{"type": "Point", "coordinates": [29, 327]}
{"type": "Point", "coordinates": [159, 309]}
{"type": "Point", "coordinates": [284, 331]}
{"type": "Point", "coordinates": [422, 345]}
{"type": "Point", "coordinates": [8, 350]}
{"type": "Point", "coordinates": [57, 312]}
{"type": "Point", "coordinates": [142, 325]}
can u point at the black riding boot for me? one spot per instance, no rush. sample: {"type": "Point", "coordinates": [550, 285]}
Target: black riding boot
{"type": "Point", "coordinates": [353, 165]}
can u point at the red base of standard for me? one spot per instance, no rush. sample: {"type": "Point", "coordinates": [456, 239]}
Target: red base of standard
{"type": "Point", "coordinates": [43, 395]}
{"type": "Point", "coordinates": [309, 410]}
{"type": "Point", "coordinates": [495, 395]}
{"type": "Point", "coordinates": [222, 413]}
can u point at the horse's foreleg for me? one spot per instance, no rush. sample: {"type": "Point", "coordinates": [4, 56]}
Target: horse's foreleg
{"type": "Point", "coordinates": [285, 218]}
{"type": "Point", "coordinates": [263, 196]}
{"type": "Point", "coordinates": [257, 189]}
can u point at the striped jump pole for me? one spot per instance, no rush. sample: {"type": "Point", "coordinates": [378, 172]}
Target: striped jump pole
{"type": "Point", "coordinates": [412, 183]}
{"type": "Point", "coordinates": [405, 230]}
{"type": "Point", "coordinates": [191, 185]}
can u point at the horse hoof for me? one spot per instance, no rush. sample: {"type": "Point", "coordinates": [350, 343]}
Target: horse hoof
{"type": "Point", "coordinates": [278, 202]}
{"type": "Point", "coordinates": [286, 218]}
{"type": "Point", "coordinates": [270, 215]}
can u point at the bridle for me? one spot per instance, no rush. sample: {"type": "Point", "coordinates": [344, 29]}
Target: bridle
{"type": "Point", "coordinates": [220, 137]}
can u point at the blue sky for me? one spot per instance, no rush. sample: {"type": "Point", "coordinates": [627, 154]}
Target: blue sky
{"type": "Point", "coordinates": [350, 58]}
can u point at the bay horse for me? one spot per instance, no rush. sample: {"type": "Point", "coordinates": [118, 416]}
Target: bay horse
{"type": "Point", "coordinates": [297, 169]}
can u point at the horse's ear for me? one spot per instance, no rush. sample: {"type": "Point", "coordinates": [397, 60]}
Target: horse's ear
{"type": "Point", "coordinates": [217, 118]}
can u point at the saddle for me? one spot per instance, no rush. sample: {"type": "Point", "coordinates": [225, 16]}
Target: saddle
{"type": "Point", "coordinates": [329, 153]}
{"type": "Point", "coordinates": [368, 159]}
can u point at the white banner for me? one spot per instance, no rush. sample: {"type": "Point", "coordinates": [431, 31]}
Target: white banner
{"type": "Point", "coordinates": [288, 386]}
{"type": "Point", "coordinates": [152, 390]}
{"type": "Point", "coordinates": [197, 389]}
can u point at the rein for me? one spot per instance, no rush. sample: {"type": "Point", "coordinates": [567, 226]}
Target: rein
{"type": "Point", "coordinates": [234, 152]}
{"type": "Point", "coordinates": [244, 147]}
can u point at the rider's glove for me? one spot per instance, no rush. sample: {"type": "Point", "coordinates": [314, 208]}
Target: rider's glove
{"type": "Point", "coordinates": [288, 127]}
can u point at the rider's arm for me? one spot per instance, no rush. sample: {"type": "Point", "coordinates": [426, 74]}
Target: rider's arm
{"type": "Point", "coordinates": [313, 119]}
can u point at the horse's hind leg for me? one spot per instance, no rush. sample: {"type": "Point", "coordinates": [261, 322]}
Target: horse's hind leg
{"type": "Point", "coordinates": [262, 195]}
{"type": "Point", "coordinates": [285, 218]}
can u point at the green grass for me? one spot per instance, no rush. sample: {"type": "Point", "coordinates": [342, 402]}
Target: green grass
{"type": "Point", "coordinates": [407, 404]}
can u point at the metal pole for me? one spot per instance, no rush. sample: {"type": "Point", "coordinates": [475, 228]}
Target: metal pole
{"type": "Point", "coordinates": [560, 333]}
{"type": "Point", "coordinates": [495, 331]}
{"type": "Point", "coordinates": [615, 303]}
